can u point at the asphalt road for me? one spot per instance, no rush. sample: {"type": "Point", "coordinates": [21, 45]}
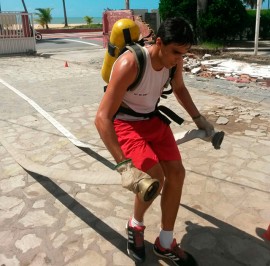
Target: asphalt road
{"type": "Point", "coordinates": [75, 47]}
{"type": "Point", "coordinates": [69, 41]}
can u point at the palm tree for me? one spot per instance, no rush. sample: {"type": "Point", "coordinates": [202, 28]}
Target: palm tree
{"type": "Point", "coordinates": [127, 4]}
{"type": "Point", "coordinates": [24, 6]}
{"type": "Point", "coordinates": [88, 20]}
{"type": "Point", "coordinates": [44, 16]}
{"type": "Point", "coordinates": [65, 13]}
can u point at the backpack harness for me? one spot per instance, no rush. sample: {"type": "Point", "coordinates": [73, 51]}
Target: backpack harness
{"type": "Point", "coordinates": [140, 56]}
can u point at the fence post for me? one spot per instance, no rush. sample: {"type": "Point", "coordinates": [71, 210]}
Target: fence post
{"type": "Point", "coordinates": [26, 25]}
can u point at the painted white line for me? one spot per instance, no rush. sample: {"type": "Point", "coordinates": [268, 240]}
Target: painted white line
{"type": "Point", "coordinates": [104, 177]}
{"type": "Point", "coordinates": [89, 43]}
{"type": "Point", "coordinates": [54, 122]}
{"type": "Point", "coordinates": [179, 137]}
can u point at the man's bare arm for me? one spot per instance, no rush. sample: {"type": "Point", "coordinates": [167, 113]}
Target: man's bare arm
{"type": "Point", "coordinates": [123, 75]}
{"type": "Point", "coordinates": [181, 92]}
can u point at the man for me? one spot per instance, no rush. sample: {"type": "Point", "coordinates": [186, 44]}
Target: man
{"type": "Point", "coordinates": [149, 141]}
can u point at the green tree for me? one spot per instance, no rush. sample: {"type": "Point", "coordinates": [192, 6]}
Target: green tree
{"type": "Point", "coordinates": [223, 19]}
{"type": "Point", "coordinates": [264, 24]}
{"type": "Point", "coordinates": [88, 20]}
{"type": "Point", "coordinates": [44, 16]}
{"type": "Point", "coordinates": [179, 8]}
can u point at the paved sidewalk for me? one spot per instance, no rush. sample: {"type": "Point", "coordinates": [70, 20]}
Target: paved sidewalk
{"type": "Point", "coordinates": [62, 219]}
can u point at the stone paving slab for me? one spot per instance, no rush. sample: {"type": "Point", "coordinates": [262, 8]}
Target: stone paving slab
{"type": "Point", "coordinates": [43, 221]}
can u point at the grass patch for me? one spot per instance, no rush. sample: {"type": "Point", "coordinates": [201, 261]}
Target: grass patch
{"type": "Point", "coordinates": [85, 26]}
{"type": "Point", "coordinates": [211, 45]}
{"type": "Point", "coordinates": [79, 26]}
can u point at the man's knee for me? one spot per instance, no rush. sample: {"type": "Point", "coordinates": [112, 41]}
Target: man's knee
{"type": "Point", "coordinates": [156, 172]}
{"type": "Point", "coordinates": [176, 175]}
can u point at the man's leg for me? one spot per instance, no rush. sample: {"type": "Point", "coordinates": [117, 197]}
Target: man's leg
{"type": "Point", "coordinates": [135, 226]}
{"type": "Point", "coordinates": [174, 172]}
{"type": "Point", "coordinates": [140, 207]}
{"type": "Point", "coordinates": [165, 245]}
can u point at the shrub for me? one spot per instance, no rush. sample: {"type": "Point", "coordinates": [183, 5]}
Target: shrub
{"type": "Point", "coordinates": [264, 24]}
{"type": "Point", "coordinates": [179, 8]}
{"type": "Point", "coordinates": [223, 19]}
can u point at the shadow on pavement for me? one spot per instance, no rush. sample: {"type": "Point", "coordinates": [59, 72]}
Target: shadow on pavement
{"type": "Point", "coordinates": [98, 157]}
{"type": "Point", "coordinates": [223, 244]}
{"type": "Point", "coordinates": [54, 40]}
{"type": "Point", "coordinates": [220, 245]}
{"type": "Point", "coordinates": [104, 230]}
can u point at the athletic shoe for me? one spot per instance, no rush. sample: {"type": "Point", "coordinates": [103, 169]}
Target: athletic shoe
{"type": "Point", "coordinates": [175, 254]}
{"type": "Point", "coordinates": [135, 242]}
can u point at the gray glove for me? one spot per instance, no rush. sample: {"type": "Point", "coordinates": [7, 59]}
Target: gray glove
{"type": "Point", "coordinates": [202, 123]}
{"type": "Point", "coordinates": [130, 175]}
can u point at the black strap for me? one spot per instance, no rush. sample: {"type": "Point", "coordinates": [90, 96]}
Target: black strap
{"type": "Point", "coordinates": [171, 75]}
{"type": "Point", "coordinates": [111, 49]}
{"type": "Point", "coordinates": [165, 93]}
{"type": "Point", "coordinates": [145, 115]}
{"type": "Point", "coordinates": [157, 112]}
{"type": "Point", "coordinates": [140, 57]}
{"type": "Point", "coordinates": [127, 36]}
{"type": "Point", "coordinates": [131, 112]}
{"type": "Point", "coordinates": [167, 111]}
{"type": "Point", "coordinates": [172, 71]}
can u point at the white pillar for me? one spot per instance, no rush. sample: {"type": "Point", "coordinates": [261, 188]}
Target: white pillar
{"type": "Point", "coordinates": [257, 27]}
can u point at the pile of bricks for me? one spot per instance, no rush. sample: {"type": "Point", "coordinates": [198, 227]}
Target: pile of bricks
{"type": "Point", "coordinates": [227, 69]}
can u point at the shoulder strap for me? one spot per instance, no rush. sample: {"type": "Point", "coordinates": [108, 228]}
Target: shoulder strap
{"type": "Point", "coordinates": [171, 74]}
{"type": "Point", "coordinates": [140, 57]}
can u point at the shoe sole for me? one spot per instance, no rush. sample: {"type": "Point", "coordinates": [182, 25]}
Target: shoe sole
{"type": "Point", "coordinates": [165, 257]}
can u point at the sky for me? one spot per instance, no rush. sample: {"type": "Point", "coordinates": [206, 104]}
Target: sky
{"type": "Point", "coordinates": [77, 8]}
{"type": "Point", "coordinates": [81, 8]}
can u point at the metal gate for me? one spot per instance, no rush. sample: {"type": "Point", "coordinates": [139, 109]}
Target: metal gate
{"type": "Point", "coordinates": [17, 33]}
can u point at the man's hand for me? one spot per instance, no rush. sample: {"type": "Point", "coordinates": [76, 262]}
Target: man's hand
{"type": "Point", "coordinates": [130, 175]}
{"type": "Point", "coordinates": [202, 123]}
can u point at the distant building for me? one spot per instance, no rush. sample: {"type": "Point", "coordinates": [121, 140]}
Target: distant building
{"type": "Point", "coordinates": [152, 18]}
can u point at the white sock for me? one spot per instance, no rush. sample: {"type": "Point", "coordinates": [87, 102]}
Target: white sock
{"type": "Point", "coordinates": [134, 222]}
{"type": "Point", "coordinates": [166, 238]}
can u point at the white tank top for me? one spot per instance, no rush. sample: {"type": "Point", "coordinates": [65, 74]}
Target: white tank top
{"type": "Point", "coordinates": [144, 97]}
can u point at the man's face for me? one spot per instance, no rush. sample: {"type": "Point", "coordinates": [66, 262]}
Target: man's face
{"type": "Point", "coordinates": [172, 53]}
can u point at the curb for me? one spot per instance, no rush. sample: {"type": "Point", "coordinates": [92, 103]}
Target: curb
{"type": "Point", "coordinates": [52, 31]}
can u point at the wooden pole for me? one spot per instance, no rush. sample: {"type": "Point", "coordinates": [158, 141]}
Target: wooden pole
{"type": "Point", "coordinates": [24, 6]}
{"type": "Point", "coordinates": [65, 13]}
{"type": "Point", "coordinates": [127, 4]}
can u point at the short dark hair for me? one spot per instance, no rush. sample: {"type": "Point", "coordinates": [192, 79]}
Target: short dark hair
{"type": "Point", "coordinates": [175, 30]}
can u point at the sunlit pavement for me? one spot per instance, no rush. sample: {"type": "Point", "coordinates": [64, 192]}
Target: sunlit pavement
{"type": "Point", "coordinates": [62, 219]}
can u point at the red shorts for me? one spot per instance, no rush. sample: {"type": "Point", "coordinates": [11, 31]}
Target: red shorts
{"type": "Point", "coordinates": [146, 142]}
